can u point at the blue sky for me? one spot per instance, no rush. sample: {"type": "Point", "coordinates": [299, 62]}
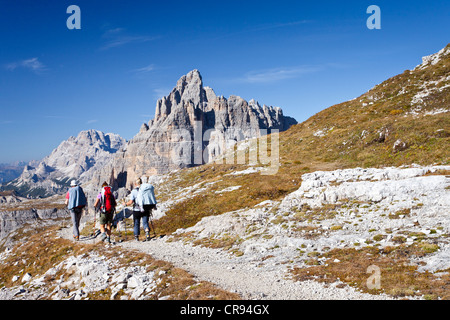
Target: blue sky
{"type": "Point", "coordinates": [303, 56]}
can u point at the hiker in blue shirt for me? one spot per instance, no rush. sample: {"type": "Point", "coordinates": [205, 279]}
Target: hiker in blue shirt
{"type": "Point", "coordinates": [75, 201]}
{"type": "Point", "coordinates": [140, 211]}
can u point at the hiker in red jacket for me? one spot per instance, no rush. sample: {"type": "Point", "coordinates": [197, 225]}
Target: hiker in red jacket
{"type": "Point", "coordinates": [107, 204]}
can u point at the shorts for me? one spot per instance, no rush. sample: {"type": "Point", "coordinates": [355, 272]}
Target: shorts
{"type": "Point", "coordinates": [106, 218]}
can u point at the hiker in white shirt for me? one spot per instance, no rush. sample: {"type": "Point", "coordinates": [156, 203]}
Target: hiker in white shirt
{"type": "Point", "coordinates": [139, 212]}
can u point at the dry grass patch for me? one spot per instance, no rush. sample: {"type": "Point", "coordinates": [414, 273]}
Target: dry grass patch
{"type": "Point", "coordinates": [255, 188]}
{"type": "Point", "coordinates": [40, 204]}
{"type": "Point", "coordinates": [398, 277]}
{"type": "Point", "coordinates": [39, 251]}
{"type": "Point", "coordinates": [226, 242]}
{"type": "Point", "coordinates": [180, 285]}
{"type": "Point", "coordinates": [325, 212]}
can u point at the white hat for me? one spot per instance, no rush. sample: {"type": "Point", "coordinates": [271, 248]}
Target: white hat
{"type": "Point", "coordinates": [73, 183]}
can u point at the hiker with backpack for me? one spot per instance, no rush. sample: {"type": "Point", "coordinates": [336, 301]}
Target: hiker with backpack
{"type": "Point", "coordinates": [143, 200]}
{"type": "Point", "coordinates": [107, 204]}
{"type": "Point", "coordinates": [76, 201]}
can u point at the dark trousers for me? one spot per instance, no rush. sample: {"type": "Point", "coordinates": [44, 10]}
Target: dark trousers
{"type": "Point", "coordinates": [137, 216]}
{"type": "Point", "coordinates": [76, 214]}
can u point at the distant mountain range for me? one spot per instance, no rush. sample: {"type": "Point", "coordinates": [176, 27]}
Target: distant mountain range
{"type": "Point", "coordinates": [76, 158]}
{"type": "Point", "coordinates": [10, 171]}
{"type": "Point", "coordinates": [167, 142]}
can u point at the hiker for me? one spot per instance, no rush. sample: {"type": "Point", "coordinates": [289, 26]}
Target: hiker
{"type": "Point", "coordinates": [75, 201]}
{"type": "Point", "coordinates": [107, 202]}
{"type": "Point", "coordinates": [143, 200]}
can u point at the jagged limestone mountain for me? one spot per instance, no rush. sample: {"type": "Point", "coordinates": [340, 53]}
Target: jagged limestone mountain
{"type": "Point", "coordinates": [75, 158]}
{"type": "Point", "coordinates": [191, 126]}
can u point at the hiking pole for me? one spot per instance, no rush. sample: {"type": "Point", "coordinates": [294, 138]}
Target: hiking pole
{"type": "Point", "coordinates": [125, 221]}
{"type": "Point", "coordinates": [93, 226]}
{"type": "Point", "coordinates": [95, 221]}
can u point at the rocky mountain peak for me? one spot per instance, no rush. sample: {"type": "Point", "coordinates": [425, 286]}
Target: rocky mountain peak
{"type": "Point", "coordinates": [187, 94]}
{"type": "Point", "coordinates": [191, 83]}
{"type": "Point", "coordinates": [172, 138]}
{"type": "Point", "coordinates": [106, 141]}
{"type": "Point", "coordinates": [433, 59]}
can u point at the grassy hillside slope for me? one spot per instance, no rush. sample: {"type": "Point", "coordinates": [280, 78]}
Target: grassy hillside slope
{"type": "Point", "coordinates": [402, 121]}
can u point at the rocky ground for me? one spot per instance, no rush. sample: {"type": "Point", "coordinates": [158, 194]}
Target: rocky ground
{"type": "Point", "coordinates": [350, 208]}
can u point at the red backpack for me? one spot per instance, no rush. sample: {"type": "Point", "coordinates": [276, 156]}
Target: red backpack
{"type": "Point", "coordinates": [108, 200]}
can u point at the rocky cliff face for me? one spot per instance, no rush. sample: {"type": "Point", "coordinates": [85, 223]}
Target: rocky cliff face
{"type": "Point", "coordinates": [13, 220]}
{"type": "Point", "coordinates": [76, 158]}
{"type": "Point", "coordinates": [191, 126]}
